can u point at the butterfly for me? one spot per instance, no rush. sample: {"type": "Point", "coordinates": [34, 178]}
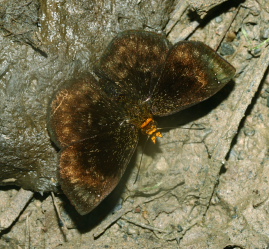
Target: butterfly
{"type": "Point", "coordinates": [96, 120]}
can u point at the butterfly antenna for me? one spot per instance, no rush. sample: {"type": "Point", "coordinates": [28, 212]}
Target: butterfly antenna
{"type": "Point", "coordinates": [158, 129]}
{"type": "Point", "coordinates": [139, 166]}
{"type": "Point", "coordinates": [185, 128]}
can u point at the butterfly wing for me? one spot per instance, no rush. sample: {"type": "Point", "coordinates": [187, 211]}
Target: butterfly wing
{"type": "Point", "coordinates": [91, 169]}
{"type": "Point", "coordinates": [133, 61]}
{"type": "Point", "coordinates": [91, 121]}
{"type": "Point", "coordinates": [96, 145]}
{"type": "Point", "coordinates": [192, 73]}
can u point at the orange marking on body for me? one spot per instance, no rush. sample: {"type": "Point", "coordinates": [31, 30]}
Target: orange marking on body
{"type": "Point", "coordinates": [152, 130]}
{"type": "Point", "coordinates": [146, 122]}
{"type": "Point", "coordinates": [159, 134]}
{"type": "Point", "coordinates": [149, 127]}
{"type": "Point", "coordinates": [154, 139]}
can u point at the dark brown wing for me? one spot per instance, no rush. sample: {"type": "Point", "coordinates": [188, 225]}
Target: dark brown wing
{"type": "Point", "coordinates": [133, 61]}
{"type": "Point", "coordinates": [192, 73]}
{"type": "Point", "coordinates": [92, 168]}
{"type": "Point", "coordinates": [96, 144]}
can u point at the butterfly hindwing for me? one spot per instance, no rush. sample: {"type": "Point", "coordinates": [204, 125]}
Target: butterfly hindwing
{"type": "Point", "coordinates": [133, 61]}
{"type": "Point", "coordinates": [76, 96]}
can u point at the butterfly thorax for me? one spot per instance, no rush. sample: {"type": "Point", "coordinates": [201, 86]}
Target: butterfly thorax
{"type": "Point", "coordinates": [141, 117]}
{"type": "Point", "coordinates": [149, 127]}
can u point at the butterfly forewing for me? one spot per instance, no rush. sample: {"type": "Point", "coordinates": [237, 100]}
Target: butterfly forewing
{"type": "Point", "coordinates": [91, 169]}
{"type": "Point", "coordinates": [96, 145]}
{"type": "Point", "coordinates": [192, 73]}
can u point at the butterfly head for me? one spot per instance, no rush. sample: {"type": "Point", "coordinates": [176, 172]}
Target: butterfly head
{"type": "Point", "coordinates": [149, 127]}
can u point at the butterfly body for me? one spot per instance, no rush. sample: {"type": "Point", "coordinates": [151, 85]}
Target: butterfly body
{"type": "Point", "coordinates": [96, 123]}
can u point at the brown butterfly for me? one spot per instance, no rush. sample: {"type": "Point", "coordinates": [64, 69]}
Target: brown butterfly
{"type": "Point", "coordinates": [96, 123]}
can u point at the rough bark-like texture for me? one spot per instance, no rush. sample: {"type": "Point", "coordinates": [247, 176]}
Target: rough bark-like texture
{"type": "Point", "coordinates": [197, 188]}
